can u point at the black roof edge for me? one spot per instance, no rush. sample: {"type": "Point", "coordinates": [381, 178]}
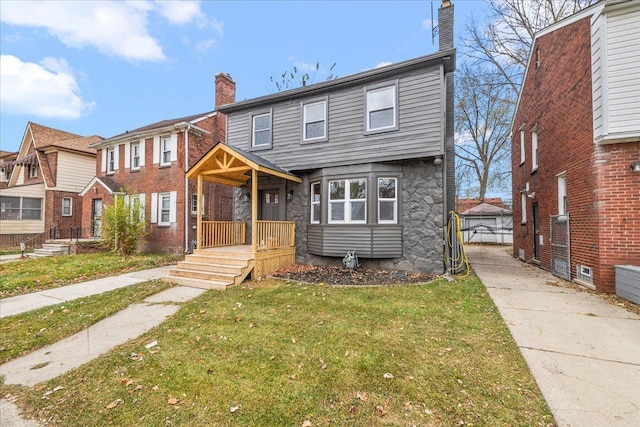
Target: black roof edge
{"type": "Point", "coordinates": [446, 57]}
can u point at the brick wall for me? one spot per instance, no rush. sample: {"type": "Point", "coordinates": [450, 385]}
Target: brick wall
{"type": "Point", "coordinates": [602, 191]}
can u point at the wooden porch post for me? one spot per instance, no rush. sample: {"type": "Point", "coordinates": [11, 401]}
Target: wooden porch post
{"type": "Point", "coordinates": [199, 220]}
{"type": "Point", "coordinates": [254, 210]}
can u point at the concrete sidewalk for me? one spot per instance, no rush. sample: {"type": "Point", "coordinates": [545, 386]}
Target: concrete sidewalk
{"type": "Point", "coordinates": [583, 352]}
{"type": "Point", "coordinates": [21, 303]}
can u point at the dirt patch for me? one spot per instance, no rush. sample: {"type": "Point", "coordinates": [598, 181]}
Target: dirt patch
{"type": "Point", "coordinates": [343, 276]}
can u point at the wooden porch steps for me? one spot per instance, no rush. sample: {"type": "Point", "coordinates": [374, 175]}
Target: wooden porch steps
{"type": "Point", "coordinates": [214, 268]}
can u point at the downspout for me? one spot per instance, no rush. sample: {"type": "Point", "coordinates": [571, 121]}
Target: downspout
{"type": "Point", "coordinates": [187, 200]}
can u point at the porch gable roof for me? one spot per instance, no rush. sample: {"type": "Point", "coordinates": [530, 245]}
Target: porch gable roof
{"type": "Point", "coordinates": [225, 164]}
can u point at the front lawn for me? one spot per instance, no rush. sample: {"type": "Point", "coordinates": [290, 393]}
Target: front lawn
{"type": "Point", "coordinates": [275, 353]}
{"type": "Point", "coordinates": [32, 275]}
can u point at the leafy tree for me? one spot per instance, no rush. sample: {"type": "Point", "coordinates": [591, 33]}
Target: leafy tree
{"type": "Point", "coordinates": [123, 224]}
{"type": "Point", "coordinates": [483, 119]}
{"type": "Point", "coordinates": [293, 79]}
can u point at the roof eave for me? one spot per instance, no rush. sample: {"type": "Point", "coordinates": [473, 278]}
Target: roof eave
{"type": "Point", "coordinates": [180, 126]}
{"type": "Point", "coordinates": [447, 58]}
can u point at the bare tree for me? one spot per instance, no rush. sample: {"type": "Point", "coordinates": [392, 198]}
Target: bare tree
{"type": "Point", "coordinates": [483, 119]}
{"type": "Point", "coordinates": [505, 41]}
{"type": "Point", "coordinates": [293, 79]}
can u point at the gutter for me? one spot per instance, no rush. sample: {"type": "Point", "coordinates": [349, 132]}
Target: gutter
{"type": "Point", "coordinates": [127, 136]}
{"type": "Point", "coordinates": [187, 200]}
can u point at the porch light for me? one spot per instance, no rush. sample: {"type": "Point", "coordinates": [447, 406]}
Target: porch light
{"type": "Point", "coordinates": [246, 197]}
{"type": "Point", "coordinates": [437, 161]}
{"type": "Point", "coordinates": [290, 195]}
{"type": "Point", "coordinates": [635, 167]}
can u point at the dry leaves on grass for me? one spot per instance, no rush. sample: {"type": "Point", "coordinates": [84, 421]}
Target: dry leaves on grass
{"type": "Point", "coordinates": [328, 275]}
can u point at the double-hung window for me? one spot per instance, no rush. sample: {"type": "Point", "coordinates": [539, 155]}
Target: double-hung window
{"type": "Point", "coordinates": [194, 204]}
{"type": "Point", "coordinates": [534, 151]}
{"type": "Point", "coordinates": [348, 201]}
{"type": "Point", "coordinates": [261, 130]}
{"type": "Point", "coordinates": [562, 194]}
{"type": "Point", "coordinates": [67, 206]}
{"type": "Point", "coordinates": [111, 160]}
{"type": "Point", "coordinates": [165, 150]}
{"type": "Point", "coordinates": [381, 108]}
{"type": "Point", "coordinates": [135, 155]}
{"type": "Point", "coordinates": [523, 207]}
{"type": "Point", "coordinates": [315, 203]}
{"type": "Point", "coordinates": [164, 209]}
{"type": "Point", "coordinates": [387, 200]}
{"type": "Point", "coordinates": [314, 121]}
{"type": "Point", "coordinates": [522, 147]}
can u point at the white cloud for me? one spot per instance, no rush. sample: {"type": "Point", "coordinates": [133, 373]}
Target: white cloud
{"type": "Point", "coordinates": [428, 24]}
{"type": "Point", "coordinates": [114, 28]}
{"type": "Point", "coordinates": [204, 45]}
{"type": "Point", "coordinates": [48, 89]}
{"type": "Point", "coordinates": [180, 12]}
{"type": "Point", "coordinates": [383, 64]}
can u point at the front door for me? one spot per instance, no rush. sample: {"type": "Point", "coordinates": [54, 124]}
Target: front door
{"type": "Point", "coordinates": [270, 205]}
{"type": "Point", "coordinates": [96, 218]}
{"type": "Point", "coordinates": [536, 233]}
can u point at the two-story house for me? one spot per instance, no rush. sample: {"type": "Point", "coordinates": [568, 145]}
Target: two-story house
{"type": "Point", "coordinates": [576, 147]}
{"type": "Point", "coordinates": [361, 163]}
{"type": "Point", "coordinates": [41, 196]}
{"type": "Point", "coordinates": [149, 164]}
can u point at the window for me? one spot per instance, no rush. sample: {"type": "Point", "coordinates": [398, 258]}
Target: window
{"type": "Point", "coordinates": [194, 204]}
{"type": "Point", "coordinates": [165, 209]}
{"type": "Point", "coordinates": [67, 206]}
{"type": "Point", "coordinates": [261, 130]}
{"type": "Point", "coordinates": [387, 200]}
{"type": "Point", "coordinates": [135, 155]}
{"type": "Point", "coordinates": [348, 200]}
{"type": "Point", "coordinates": [562, 194]}
{"type": "Point", "coordinates": [522, 150]}
{"type": "Point", "coordinates": [523, 203]}
{"type": "Point", "coordinates": [10, 208]}
{"type": "Point", "coordinates": [315, 203]}
{"type": "Point", "coordinates": [33, 171]}
{"type": "Point", "coordinates": [534, 150]}
{"type": "Point", "coordinates": [137, 206]}
{"type": "Point", "coordinates": [111, 160]}
{"type": "Point", "coordinates": [165, 153]}
{"type": "Point", "coordinates": [314, 121]}
{"type": "Point", "coordinates": [381, 109]}
{"type": "Point", "coordinates": [31, 208]}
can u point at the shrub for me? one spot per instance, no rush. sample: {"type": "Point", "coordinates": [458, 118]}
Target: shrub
{"type": "Point", "coordinates": [123, 224]}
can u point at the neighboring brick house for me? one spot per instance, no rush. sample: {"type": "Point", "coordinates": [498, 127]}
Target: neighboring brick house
{"type": "Point", "coordinates": [149, 164]}
{"type": "Point", "coordinates": [41, 196]}
{"type": "Point", "coordinates": [6, 166]}
{"type": "Point", "coordinates": [576, 147]}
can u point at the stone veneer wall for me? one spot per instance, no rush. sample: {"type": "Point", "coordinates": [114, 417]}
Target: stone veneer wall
{"type": "Point", "coordinates": [423, 204]}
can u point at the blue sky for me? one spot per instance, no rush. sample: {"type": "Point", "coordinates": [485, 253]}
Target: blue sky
{"type": "Point", "coordinates": [101, 68]}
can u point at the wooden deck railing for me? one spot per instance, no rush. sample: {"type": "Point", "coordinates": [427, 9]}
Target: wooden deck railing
{"type": "Point", "coordinates": [276, 234]}
{"type": "Point", "coordinates": [223, 233]}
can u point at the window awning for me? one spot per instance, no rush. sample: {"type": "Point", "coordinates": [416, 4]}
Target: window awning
{"type": "Point", "coordinates": [225, 164]}
{"type": "Point", "coordinates": [29, 160]}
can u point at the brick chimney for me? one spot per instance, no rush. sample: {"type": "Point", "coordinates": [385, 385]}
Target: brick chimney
{"type": "Point", "coordinates": [445, 25]}
{"type": "Point", "coordinates": [225, 89]}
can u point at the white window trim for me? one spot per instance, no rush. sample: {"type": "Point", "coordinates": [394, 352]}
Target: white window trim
{"type": "Point", "coordinates": [562, 193]}
{"type": "Point", "coordinates": [312, 203]}
{"type": "Point", "coordinates": [194, 203]}
{"type": "Point", "coordinates": [111, 165]}
{"type": "Point", "coordinates": [377, 88]}
{"type": "Point", "coordinates": [523, 207]}
{"type": "Point", "coordinates": [304, 105]}
{"type": "Point", "coordinates": [347, 202]}
{"type": "Point", "coordinates": [253, 116]}
{"type": "Point", "coordinates": [62, 209]}
{"type": "Point", "coordinates": [33, 171]}
{"type": "Point", "coordinates": [522, 147]}
{"type": "Point", "coordinates": [165, 147]}
{"type": "Point", "coordinates": [156, 200]}
{"type": "Point", "coordinates": [133, 156]}
{"type": "Point", "coordinates": [141, 201]}
{"type": "Point", "coordinates": [394, 200]}
{"type": "Point", "coordinates": [534, 150]}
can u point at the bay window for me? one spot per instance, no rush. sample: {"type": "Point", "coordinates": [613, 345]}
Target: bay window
{"type": "Point", "coordinates": [348, 201]}
{"type": "Point", "coordinates": [387, 200]}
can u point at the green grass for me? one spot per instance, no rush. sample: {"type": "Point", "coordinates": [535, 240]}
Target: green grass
{"type": "Point", "coordinates": [32, 275]}
{"type": "Point", "coordinates": [286, 353]}
{"type": "Point", "coordinates": [26, 332]}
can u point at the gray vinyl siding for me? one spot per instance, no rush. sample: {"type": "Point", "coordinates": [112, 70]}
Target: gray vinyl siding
{"type": "Point", "coordinates": [420, 133]}
{"type": "Point", "coordinates": [369, 241]}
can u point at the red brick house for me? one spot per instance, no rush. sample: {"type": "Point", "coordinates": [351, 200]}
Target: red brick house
{"type": "Point", "coordinates": [149, 164]}
{"type": "Point", "coordinates": [576, 147]}
{"type": "Point", "coordinates": [6, 166]}
{"type": "Point", "coordinates": [41, 193]}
